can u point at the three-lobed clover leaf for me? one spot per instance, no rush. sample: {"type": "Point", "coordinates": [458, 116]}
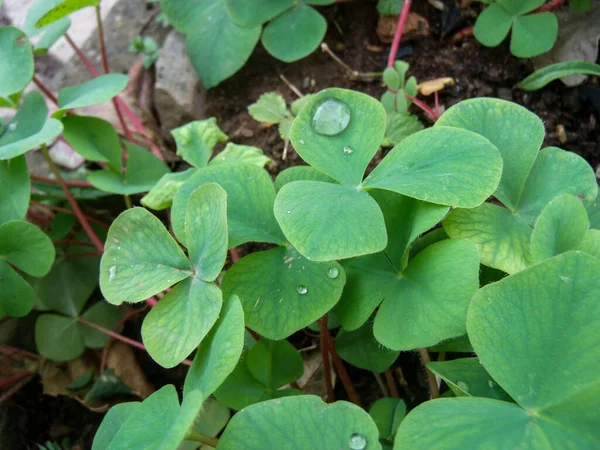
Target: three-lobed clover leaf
{"type": "Point", "coordinates": [539, 303]}
{"type": "Point", "coordinates": [17, 61]}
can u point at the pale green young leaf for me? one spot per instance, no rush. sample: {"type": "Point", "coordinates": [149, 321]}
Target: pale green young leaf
{"type": "Point", "coordinates": [14, 189]}
{"type": "Point", "coordinates": [219, 352]}
{"type": "Point", "coordinates": [161, 195]}
{"type": "Point", "coordinates": [323, 427]}
{"type": "Point", "coordinates": [561, 226]}
{"type": "Point", "coordinates": [140, 258]}
{"type": "Point", "coordinates": [206, 230]}
{"type": "Point", "coordinates": [92, 92]}
{"type": "Point", "coordinates": [64, 9]}
{"type": "Point", "coordinates": [16, 295]}
{"type": "Point", "coordinates": [253, 14]}
{"type": "Point", "coordinates": [360, 349]}
{"type": "Point", "coordinates": [443, 165]}
{"type": "Point", "coordinates": [58, 337]}
{"type": "Point", "coordinates": [516, 132]}
{"type": "Point", "coordinates": [326, 221]}
{"type": "Point", "coordinates": [345, 154]}
{"type": "Point", "coordinates": [180, 320]}
{"type": "Point", "coordinates": [281, 291]}
{"type": "Point", "coordinates": [26, 247]}
{"type": "Point", "coordinates": [399, 126]}
{"type": "Point", "coordinates": [196, 140]}
{"type": "Point", "coordinates": [269, 108]}
{"type": "Point", "coordinates": [218, 47]}
{"type": "Point", "coordinates": [294, 34]}
{"type": "Point", "coordinates": [298, 173]}
{"type": "Point", "coordinates": [233, 154]}
{"type": "Point", "coordinates": [94, 139]}
{"type": "Point", "coordinates": [17, 61]}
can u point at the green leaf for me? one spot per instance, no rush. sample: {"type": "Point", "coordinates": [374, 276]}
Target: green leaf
{"type": "Point", "coordinates": [212, 418]}
{"type": "Point", "coordinates": [16, 295]}
{"type": "Point", "coordinates": [183, 15]}
{"type": "Point", "coordinates": [196, 140]}
{"type": "Point", "coordinates": [360, 349]}
{"type": "Point", "coordinates": [103, 314]}
{"type": "Point", "coordinates": [459, 344]}
{"type": "Point", "coordinates": [518, 7]}
{"type": "Point", "coordinates": [14, 189]}
{"type": "Point", "coordinates": [430, 298]}
{"type": "Point", "coordinates": [233, 154]}
{"type": "Point", "coordinates": [94, 139]}
{"type": "Point", "coordinates": [26, 247]}
{"type": "Point", "coordinates": [217, 47]}
{"type": "Point", "coordinates": [107, 385]}
{"type": "Point", "coordinates": [281, 291]}
{"type": "Point", "coordinates": [275, 363]}
{"type": "Point", "coordinates": [561, 227]}
{"type": "Point", "coordinates": [400, 125]}
{"type": "Point", "coordinates": [298, 173]}
{"type": "Point", "coordinates": [92, 92]}
{"type": "Point", "coordinates": [579, 5]}
{"type": "Point", "coordinates": [29, 128]}
{"type": "Point", "coordinates": [492, 25]}
{"type": "Point", "coordinates": [219, 352]}
{"type": "Point", "coordinates": [143, 171]}
{"type": "Point", "coordinates": [81, 382]}
{"type": "Point", "coordinates": [533, 34]}
{"type": "Point", "coordinates": [323, 427]}
{"type": "Point", "coordinates": [250, 14]}
{"type": "Point", "coordinates": [140, 258]}
{"type": "Point", "coordinates": [548, 74]}
{"type": "Point", "coordinates": [387, 413]}
{"type": "Point", "coordinates": [250, 197]}
{"type": "Point", "coordinates": [206, 230]}
{"type": "Point", "coordinates": [180, 320]}
{"type": "Point", "coordinates": [467, 377]}
{"type": "Point", "coordinates": [64, 9]}
{"type": "Point", "coordinates": [50, 33]}
{"type": "Point", "coordinates": [443, 165]}
{"type": "Point", "coordinates": [326, 221]}
{"type": "Point", "coordinates": [58, 337]}
{"type": "Point", "coordinates": [112, 422]}
{"type": "Point", "coordinates": [17, 57]}
{"type": "Point", "coordinates": [161, 195]}
{"type": "Point", "coordinates": [389, 7]}
{"type": "Point", "coordinates": [325, 152]}
{"type": "Point", "coordinates": [294, 34]}
{"type": "Point", "coordinates": [516, 132]}
{"type": "Point", "coordinates": [502, 238]}
{"type": "Point", "coordinates": [299, 103]}
{"type": "Point", "coordinates": [593, 210]}
{"type": "Point", "coordinates": [591, 243]}
{"type": "Point", "coordinates": [269, 108]}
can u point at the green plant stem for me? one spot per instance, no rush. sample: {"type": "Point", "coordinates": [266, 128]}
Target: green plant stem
{"type": "Point", "coordinates": [71, 183]}
{"type": "Point", "coordinates": [352, 74]}
{"type": "Point", "coordinates": [381, 384]}
{"type": "Point", "coordinates": [433, 387]}
{"type": "Point", "coordinates": [389, 378]}
{"type": "Point", "coordinates": [398, 34]}
{"type": "Point", "coordinates": [47, 92]}
{"type": "Point", "coordinates": [128, 203]}
{"type": "Point", "coordinates": [74, 205]}
{"type": "Point", "coordinates": [325, 357]}
{"type": "Point", "coordinates": [193, 435]}
{"type": "Point", "coordinates": [423, 106]}
{"type": "Point", "coordinates": [118, 326]}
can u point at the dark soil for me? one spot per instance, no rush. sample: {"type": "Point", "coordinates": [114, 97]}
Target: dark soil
{"type": "Point", "coordinates": [478, 71]}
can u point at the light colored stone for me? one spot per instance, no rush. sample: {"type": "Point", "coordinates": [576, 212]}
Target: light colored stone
{"type": "Point", "coordinates": [178, 95]}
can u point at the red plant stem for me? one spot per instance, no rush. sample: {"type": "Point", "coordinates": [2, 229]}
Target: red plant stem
{"type": "Point", "coordinates": [15, 388]}
{"type": "Point", "coordinates": [254, 334]}
{"type": "Point", "coordinates": [398, 33]}
{"type": "Point", "coordinates": [74, 205]}
{"type": "Point", "coordinates": [68, 211]}
{"type": "Point", "coordinates": [389, 379]}
{"type": "Point", "coordinates": [423, 106]}
{"type": "Point", "coordinates": [11, 380]}
{"type": "Point", "coordinates": [39, 219]}
{"type": "Point", "coordinates": [8, 351]}
{"type": "Point", "coordinates": [101, 40]}
{"type": "Point", "coordinates": [72, 242]}
{"type": "Point", "coordinates": [325, 356]}
{"type": "Point", "coordinates": [235, 257]}
{"type": "Point", "coordinates": [151, 301]}
{"type": "Point", "coordinates": [47, 92]}
{"type": "Point", "coordinates": [71, 183]}
{"type": "Point", "coordinates": [86, 62]}
{"type": "Point", "coordinates": [437, 103]}
{"type": "Point", "coordinates": [110, 338]}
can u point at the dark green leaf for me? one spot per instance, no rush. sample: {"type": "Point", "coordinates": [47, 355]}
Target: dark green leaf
{"type": "Point", "coordinates": [26, 247]}
{"type": "Point", "coordinates": [94, 139]}
{"type": "Point", "coordinates": [275, 363]}
{"type": "Point", "coordinates": [360, 349]}
{"type": "Point", "coordinates": [14, 189]}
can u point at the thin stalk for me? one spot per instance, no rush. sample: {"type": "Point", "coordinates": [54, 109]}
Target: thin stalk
{"type": "Point", "coordinates": [47, 92]}
{"type": "Point", "coordinates": [398, 33]}
{"type": "Point", "coordinates": [352, 74]}
{"type": "Point", "coordinates": [433, 387]}
{"type": "Point", "coordinates": [74, 205]}
{"type": "Point", "coordinates": [68, 211]}
{"type": "Point", "coordinates": [71, 183]}
{"type": "Point", "coordinates": [101, 40]}
{"type": "Point", "coordinates": [235, 257]}
{"type": "Point", "coordinates": [12, 380]}
{"type": "Point", "coordinates": [325, 356]}
{"type": "Point", "coordinates": [423, 106]}
{"type": "Point", "coordinates": [15, 388]}
{"type": "Point", "coordinates": [389, 378]}
{"type": "Point", "coordinates": [128, 203]}
{"type": "Point", "coordinates": [8, 351]}
{"type": "Point", "coordinates": [382, 386]}
{"type": "Point", "coordinates": [193, 435]}
{"type": "Point", "coordinates": [110, 338]}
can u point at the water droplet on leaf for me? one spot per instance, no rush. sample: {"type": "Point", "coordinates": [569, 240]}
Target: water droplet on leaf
{"type": "Point", "coordinates": [491, 383]}
{"type": "Point", "coordinates": [289, 211]}
{"type": "Point", "coordinates": [333, 272]}
{"type": "Point", "coordinates": [331, 117]}
{"type": "Point", "coordinates": [347, 150]}
{"type": "Point", "coordinates": [302, 290]}
{"type": "Point", "coordinates": [463, 386]}
{"type": "Point", "coordinates": [112, 272]}
{"type": "Point", "coordinates": [12, 126]}
{"type": "Point", "coordinates": [357, 442]}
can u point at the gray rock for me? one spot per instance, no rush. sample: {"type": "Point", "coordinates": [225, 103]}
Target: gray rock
{"type": "Point", "coordinates": [178, 94]}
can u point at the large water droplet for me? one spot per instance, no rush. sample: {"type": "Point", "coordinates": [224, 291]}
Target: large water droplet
{"type": "Point", "coordinates": [333, 272]}
{"type": "Point", "coordinates": [331, 117]}
{"type": "Point", "coordinates": [463, 386]}
{"type": "Point", "coordinates": [347, 150]}
{"type": "Point", "coordinates": [357, 442]}
{"type": "Point", "coordinates": [302, 290]}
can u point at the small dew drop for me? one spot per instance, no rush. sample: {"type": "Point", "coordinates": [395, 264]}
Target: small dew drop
{"type": "Point", "coordinates": [357, 442]}
{"type": "Point", "coordinates": [333, 272]}
{"type": "Point", "coordinates": [302, 289]}
{"type": "Point", "coordinates": [347, 150]}
{"type": "Point", "coordinates": [463, 386]}
{"type": "Point", "coordinates": [12, 126]}
{"type": "Point", "coordinates": [289, 211]}
{"type": "Point", "coordinates": [112, 271]}
{"type": "Point", "coordinates": [301, 141]}
{"type": "Point", "coordinates": [491, 383]}
{"type": "Point", "coordinates": [331, 117]}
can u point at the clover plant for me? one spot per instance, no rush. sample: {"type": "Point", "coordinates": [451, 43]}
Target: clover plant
{"type": "Point", "coordinates": [221, 34]}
